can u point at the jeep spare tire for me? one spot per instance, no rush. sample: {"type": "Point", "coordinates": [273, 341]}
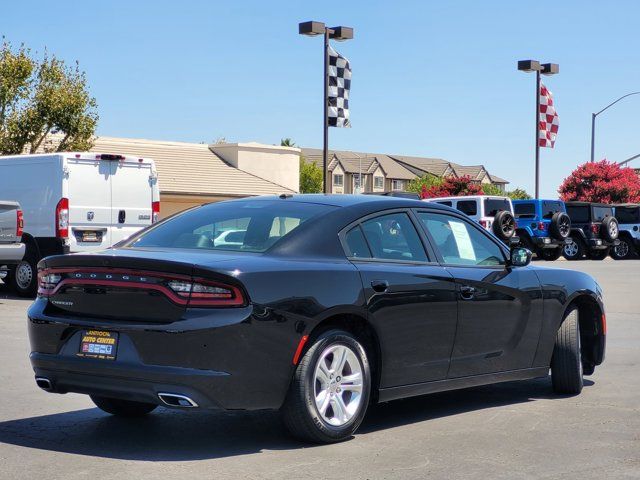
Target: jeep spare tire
{"type": "Point", "coordinates": [504, 225]}
{"type": "Point", "coordinates": [560, 226]}
{"type": "Point", "coordinates": [609, 229]}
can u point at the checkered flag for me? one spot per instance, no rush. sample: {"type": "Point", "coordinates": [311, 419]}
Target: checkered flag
{"type": "Point", "coordinates": [548, 121]}
{"type": "Point", "coordinates": [339, 86]}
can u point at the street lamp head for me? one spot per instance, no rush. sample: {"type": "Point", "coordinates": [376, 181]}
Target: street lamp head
{"type": "Point", "coordinates": [550, 68]}
{"type": "Point", "coordinates": [311, 28]}
{"type": "Point", "coordinates": [529, 66]}
{"type": "Point", "coordinates": [341, 33]}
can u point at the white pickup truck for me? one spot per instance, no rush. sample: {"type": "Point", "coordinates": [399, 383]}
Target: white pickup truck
{"type": "Point", "coordinates": [77, 202]}
{"type": "Point", "coordinates": [11, 247]}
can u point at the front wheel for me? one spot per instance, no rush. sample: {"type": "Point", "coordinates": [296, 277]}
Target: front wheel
{"type": "Point", "coordinates": [573, 249]}
{"type": "Point", "coordinates": [24, 276]}
{"type": "Point", "coordinates": [566, 363]}
{"type": "Point", "coordinates": [623, 250]}
{"type": "Point", "coordinates": [330, 390]}
{"type": "Point", "coordinates": [122, 408]}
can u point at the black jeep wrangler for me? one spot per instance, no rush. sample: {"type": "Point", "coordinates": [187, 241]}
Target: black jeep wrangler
{"type": "Point", "coordinates": [594, 230]}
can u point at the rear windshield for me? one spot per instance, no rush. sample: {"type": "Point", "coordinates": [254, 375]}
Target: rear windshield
{"type": "Point", "coordinates": [549, 208]}
{"type": "Point", "coordinates": [253, 226]}
{"type": "Point", "coordinates": [628, 214]}
{"type": "Point", "coordinates": [600, 212]}
{"type": "Point", "coordinates": [578, 214]}
{"type": "Point", "coordinates": [494, 205]}
{"type": "Point", "coordinates": [524, 210]}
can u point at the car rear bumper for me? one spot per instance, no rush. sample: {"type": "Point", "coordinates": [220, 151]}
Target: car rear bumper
{"type": "Point", "coordinates": [11, 254]}
{"type": "Point", "coordinates": [599, 244]}
{"type": "Point", "coordinates": [547, 242]}
{"type": "Point", "coordinates": [224, 359]}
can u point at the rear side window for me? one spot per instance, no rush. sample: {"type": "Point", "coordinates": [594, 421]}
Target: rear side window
{"type": "Point", "coordinates": [628, 214]}
{"type": "Point", "coordinates": [493, 205]}
{"type": "Point", "coordinates": [393, 237]}
{"type": "Point", "coordinates": [600, 212]}
{"type": "Point", "coordinates": [468, 207]}
{"type": "Point", "coordinates": [356, 244]}
{"type": "Point", "coordinates": [549, 208]}
{"type": "Point", "coordinates": [578, 213]}
{"type": "Point", "coordinates": [254, 226]}
{"type": "Point", "coordinates": [525, 210]}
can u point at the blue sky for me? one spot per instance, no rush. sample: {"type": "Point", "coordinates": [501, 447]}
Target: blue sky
{"type": "Point", "coordinates": [429, 78]}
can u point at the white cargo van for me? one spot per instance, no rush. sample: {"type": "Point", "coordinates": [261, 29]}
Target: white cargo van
{"type": "Point", "coordinates": [77, 202]}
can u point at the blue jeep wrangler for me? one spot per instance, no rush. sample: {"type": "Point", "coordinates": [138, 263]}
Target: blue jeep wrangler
{"type": "Point", "coordinates": [543, 226]}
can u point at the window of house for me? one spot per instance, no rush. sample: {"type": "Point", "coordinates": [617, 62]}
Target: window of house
{"type": "Point", "coordinates": [397, 185]}
{"type": "Point", "coordinates": [357, 182]}
{"type": "Point", "coordinates": [378, 182]}
{"type": "Point", "coordinates": [338, 179]}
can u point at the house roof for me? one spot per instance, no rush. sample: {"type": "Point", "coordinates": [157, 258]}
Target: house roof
{"type": "Point", "coordinates": [353, 161]}
{"type": "Point", "coordinates": [190, 168]}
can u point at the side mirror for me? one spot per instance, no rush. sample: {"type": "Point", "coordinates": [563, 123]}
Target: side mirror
{"type": "Point", "coordinates": [519, 257]}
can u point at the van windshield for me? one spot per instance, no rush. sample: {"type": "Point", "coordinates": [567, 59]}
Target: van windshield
{"type": "Point", "coordinates": [252, 226]}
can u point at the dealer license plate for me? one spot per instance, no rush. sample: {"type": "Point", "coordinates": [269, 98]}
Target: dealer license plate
{"type": "Point", "coordinates": [91, 236]}
{"type": "Point", "coordinates": [98, 344]}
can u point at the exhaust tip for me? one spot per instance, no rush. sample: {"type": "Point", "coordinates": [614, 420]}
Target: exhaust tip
{"type": "Point", "coordinates": [44, 383]}
{"type": "Point", "coordinates": [176, 400]}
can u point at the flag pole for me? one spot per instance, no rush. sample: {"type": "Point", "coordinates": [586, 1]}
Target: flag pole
{"type": "Point", "coordinates": [325, 97]}
{"type": "Point", "coordinates": [537, 134]}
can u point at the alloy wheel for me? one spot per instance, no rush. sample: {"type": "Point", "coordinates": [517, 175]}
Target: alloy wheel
{"type": "Point", "coordinates": [613, 230]}
{"type": "Point", "coordinates": [508, 227]}
{"type": "Point", "coordinates": [338, 385]}
{"type": "Point", "coordinates": [621, 250]}
{"type": "Point", "coordinates": [564, 227]}
{"type": "Point", "coordinates": [571, 249]}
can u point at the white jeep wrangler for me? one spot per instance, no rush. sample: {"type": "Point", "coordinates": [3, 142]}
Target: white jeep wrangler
{"type": "Point", "coordinates": [495, 214]}
{"type": "Point", "coordinates": [628, 216]}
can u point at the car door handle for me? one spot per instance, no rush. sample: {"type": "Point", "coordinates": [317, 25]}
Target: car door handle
{"type": "Point", "coordinates": [379, 286]}
{"type": "Point", "coordinates": [467, 292]}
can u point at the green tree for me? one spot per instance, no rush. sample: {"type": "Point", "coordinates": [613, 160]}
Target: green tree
{"type": "Point", "coordinates": [310, 177]}
{"type": "Point", "coordinates": [40, 97]}
{"type": "Point", "coordinates": [491, 189]}
{"type": "Point", "coordinates": [287, 142]}
{"type": "Point", "coordinates": [518, 194]}
{"type": "Point", "coordinates": [427, 181]}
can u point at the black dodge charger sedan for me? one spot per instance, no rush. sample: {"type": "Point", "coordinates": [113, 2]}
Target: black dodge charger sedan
{"type": "Point", "coordinates": [315, 305]}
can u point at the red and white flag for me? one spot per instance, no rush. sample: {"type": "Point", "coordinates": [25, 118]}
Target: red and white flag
{"type": "Point", "coordinates": [548, 119]}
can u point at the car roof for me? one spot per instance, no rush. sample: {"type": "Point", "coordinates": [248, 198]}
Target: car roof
{"type": "Point", "coordinates": [586, 204]}
{"type": "Point", "coordinates": [340, 200]}
{"type": "Point", "coordinates": [536, 200]}
{"type": "Point", "coordinates": [627, 205]}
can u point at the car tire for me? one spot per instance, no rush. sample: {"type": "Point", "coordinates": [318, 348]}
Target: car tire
{"type": "Point", "coordinates": [560, 226]}
{"type": "Point", "coordinates": [609, 229]}
{"type": "Point", "coordinates": [504, 225]}
{"type": "Point", "coordinates": [319, 407]}
{"type": "Point", "coordinates": [551, 254]}
{"type": "Point", "coordinates": [566, 363]}
{"type": "Point", "coordinates": [573, 249]}
{"type": "Point", "coordinates": [24, 276]}
{"type": "Point", "coordinates": [122, 408]}
{"type": "Point", "coordinates": [624, 250]}
{"type": "Point", "coordinates": [599, 254]}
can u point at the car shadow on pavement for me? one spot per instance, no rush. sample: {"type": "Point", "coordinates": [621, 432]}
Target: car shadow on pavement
{"type": "Point", "coordinates": [170, 435]}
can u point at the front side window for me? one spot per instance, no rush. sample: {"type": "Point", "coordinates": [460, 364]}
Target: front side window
{"type": "Point", "coordinates": [251, 226]}
{"type": "Point", "coordinates": [338, 179]}
{"type": "Point", "coordinates": [459, 242]}
{"type": "Point", "coordinates": [378, 182]}
{"type": "Point", "coordinates": [393, 237]}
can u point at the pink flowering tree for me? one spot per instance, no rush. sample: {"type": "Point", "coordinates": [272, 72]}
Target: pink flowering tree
{"type": "Point", "coordinates": [603, 181]}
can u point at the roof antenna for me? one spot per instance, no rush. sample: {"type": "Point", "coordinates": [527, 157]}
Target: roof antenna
{"type": "Point", "coordinates": [285, 195]}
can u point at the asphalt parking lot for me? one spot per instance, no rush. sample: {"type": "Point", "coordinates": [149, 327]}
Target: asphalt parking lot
{"type": "Point", "coordinates": [514, 430]}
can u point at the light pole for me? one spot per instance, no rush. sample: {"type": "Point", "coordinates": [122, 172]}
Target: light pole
{"type": "Point", "coordinates": [593, 120]}
{"type": "Point", "coordinates": [544, 69]}
{"type": "Point", "coordinates": [337, 33]}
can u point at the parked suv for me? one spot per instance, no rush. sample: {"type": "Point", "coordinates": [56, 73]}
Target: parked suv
{"type": "Point", "coordinates": [628, 215]}
{"type": "Point", "coordinates": [543, 226]}
{"type": "Point", "coordinates": [493, 213]}
{"type": "Point", "coordinates": [11, 248]}
{"type": "Point", "coordinates": [594, 230]}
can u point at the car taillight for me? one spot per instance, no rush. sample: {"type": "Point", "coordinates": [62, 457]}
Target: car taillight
{"type": "Point", "coordinates": [62, 218]}
{"type": "Point", "coordinates": [595, 228]}
{"type": "Point", "coordinates": [542, 226]}
{"type": "Point", "coordinates": [155, 211]}
{"type": "Point", "coordinates": [206, 294]}
{"type": "Point", "coordinates": [19, 223]}
{"type": "Point", "coordinates": [47, 281]}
